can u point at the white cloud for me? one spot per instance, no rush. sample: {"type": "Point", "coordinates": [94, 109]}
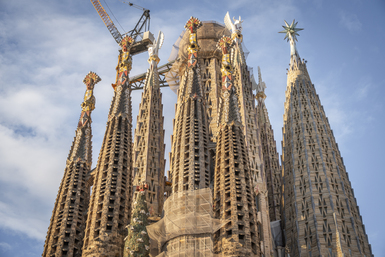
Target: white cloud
{"type": "Point", "coordinates": [350, 21]}
{"type": "Point", "coordinates": [5, 247]}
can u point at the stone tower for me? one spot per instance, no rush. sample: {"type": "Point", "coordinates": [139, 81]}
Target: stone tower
{"type": "Point", "coordinates": [110, 206]}
{"type": "Point", "coordinates": [270, 154]}
{"type": "Point", "coordinates": [320, 211]}
{"type": "Point", "coordinates": [66, 229]}
{"type": "Point", "coordinates": [189, 158]}
{"type": "Point", "coordinates": [149, 138]}
{"type": "Point", "coordinates": [233, 184]}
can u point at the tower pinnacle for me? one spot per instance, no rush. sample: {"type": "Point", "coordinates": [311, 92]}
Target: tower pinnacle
{"type": "Point", "coordinates": [260, 93]}
{"type": "Point", "coordinates": [81, 149]}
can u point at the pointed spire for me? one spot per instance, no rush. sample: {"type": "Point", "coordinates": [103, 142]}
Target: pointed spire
{"type": "Point", "coordinates": [120, 106]}
{"type": "Point", "coordinates": [67, 226]}
{"type": "Point", "coordinates": [260, 96]}
{"type": "Point", "coordinates": [291, 35]}
{"type": "Point", "coordinates": [81, 149]}
{"type": "Point", "coordinates": [148, 160]}
{"type": "Point", "coordinates": [262, 114]}
{"type": "Point", "coordinates": [152, 75]}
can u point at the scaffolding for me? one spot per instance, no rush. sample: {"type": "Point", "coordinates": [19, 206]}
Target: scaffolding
{"type": "Point", "coordinates": [187, 226]}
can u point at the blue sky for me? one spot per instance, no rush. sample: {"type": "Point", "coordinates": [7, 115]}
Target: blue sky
{"type": "Point", "coordinates": [47, 47]}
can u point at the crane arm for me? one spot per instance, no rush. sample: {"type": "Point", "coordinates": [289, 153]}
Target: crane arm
{"type": "Point", "coordinates": [107, 20]}
{"type": "Point", "coordinates": [142, 25]}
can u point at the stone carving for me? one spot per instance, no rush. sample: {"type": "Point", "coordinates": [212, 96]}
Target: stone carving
{"type": "Point", "coordinates": [154, 49]}
{"type": "Point", "coordinates": [235, 28]}
{"type": "Point", "coordinates": [192, 25]}
{"type": "Point", "coordinates": [224, 44]}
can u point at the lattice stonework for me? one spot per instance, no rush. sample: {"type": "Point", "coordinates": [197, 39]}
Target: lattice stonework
{"type": "Point", "coordinates": [320, 210]}
{"type": "Point", "coordinates": [68, 221]}
{"type": "Point", "coordinates": [233, 196]}
{"type": "Point", "coordinates": [110, 206]}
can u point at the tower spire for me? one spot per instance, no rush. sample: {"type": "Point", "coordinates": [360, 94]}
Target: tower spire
{"type": "Point", "coordinates": [243, 84]}
{"type": "Point", "coordinates": [81, 149]}
{"type": "Point", "coordinates": [66, 231]}
{"type": "Point", "coordinates": [270, 155]}
{"type": "Point", "coordinates": [149, 137]}
{"type": "Point", "coordinates": [189, 157]}
{"type": "Point", "coordinates": [319, 208]}
{"type": "Point", "coordinates": [110, 206]}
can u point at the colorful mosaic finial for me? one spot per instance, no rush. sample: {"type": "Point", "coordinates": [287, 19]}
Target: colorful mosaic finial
{"type": "Point", "coordinates": [193, 24]}
{"type": "Point", "coordinates": [126, 43]}
{"type": "Point", "coordinates": [125, 62]}
{"type": "Point", "coordinates": [91, 79]}
{"type": "Point", "coordinates": [224, 44]}
{"type": "Point", "coordinates": [89, 99]}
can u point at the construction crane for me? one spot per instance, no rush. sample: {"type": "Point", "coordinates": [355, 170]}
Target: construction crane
{"type": "Point", "coordinates": [142, 27]}
{"type": "Point", "coordinates": [143, 23]}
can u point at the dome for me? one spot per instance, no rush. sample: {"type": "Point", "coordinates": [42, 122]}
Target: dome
{"type": "Point", "coordinates": [208, 35]}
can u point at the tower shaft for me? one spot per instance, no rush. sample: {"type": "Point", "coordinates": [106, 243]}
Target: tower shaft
{"type": "Point", "coordinates": [189, 158]}
{"type": "Point", "coordinates": [66, 231]}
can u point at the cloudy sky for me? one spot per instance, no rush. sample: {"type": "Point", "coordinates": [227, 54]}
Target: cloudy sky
{"type": "Point", "coordinates": [47, 47]}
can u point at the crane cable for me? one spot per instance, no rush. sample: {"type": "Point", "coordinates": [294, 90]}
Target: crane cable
{"type": "Point", "coordinates": [114, 16]}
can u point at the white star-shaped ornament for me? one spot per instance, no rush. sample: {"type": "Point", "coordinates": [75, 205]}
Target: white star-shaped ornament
{"type": "Point", "coordinates": [291, 31]}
